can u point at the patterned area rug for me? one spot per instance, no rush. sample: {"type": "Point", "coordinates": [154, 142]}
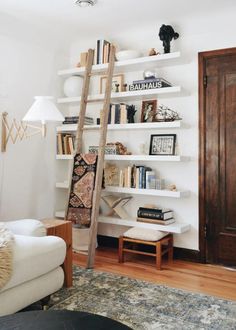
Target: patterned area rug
{"type": "Point", "coordinates": [143, 305]}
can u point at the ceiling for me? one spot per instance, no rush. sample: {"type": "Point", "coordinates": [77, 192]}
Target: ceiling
{"type": "Point", "coordinates": [64, 17]}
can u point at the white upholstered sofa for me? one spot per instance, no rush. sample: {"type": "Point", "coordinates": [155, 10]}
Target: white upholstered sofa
{"type": "Point", "coordinates": [36, 266]}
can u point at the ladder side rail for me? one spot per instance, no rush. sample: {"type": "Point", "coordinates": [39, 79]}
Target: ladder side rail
{"type": "Point", "coordinates": [80, 126]}
{"type": "Point", "coordinates": [100, 163]}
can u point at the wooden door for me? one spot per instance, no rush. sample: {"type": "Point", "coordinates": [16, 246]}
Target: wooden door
{"type": "Point", "coordinates": [217, 183]}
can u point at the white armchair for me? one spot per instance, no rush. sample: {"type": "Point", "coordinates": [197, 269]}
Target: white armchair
{"type": "Point", "coordinates": [36, 266]}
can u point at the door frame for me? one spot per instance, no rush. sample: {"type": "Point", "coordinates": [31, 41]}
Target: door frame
{"type": "Point", "coordinates": [202, 57]}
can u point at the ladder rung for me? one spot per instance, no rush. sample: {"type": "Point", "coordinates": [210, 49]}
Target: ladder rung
{"type": "Point", "coordinates": [100, 73]}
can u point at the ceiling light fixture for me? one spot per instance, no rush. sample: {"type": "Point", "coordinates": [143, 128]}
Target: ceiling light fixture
{"type": "Point", "coordinates": [85, 3]}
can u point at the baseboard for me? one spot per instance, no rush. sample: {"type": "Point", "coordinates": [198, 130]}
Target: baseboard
{"type": "Point", "coordinates": [187, 254]}
{"type": "Point", "coordinates": [179, 253]}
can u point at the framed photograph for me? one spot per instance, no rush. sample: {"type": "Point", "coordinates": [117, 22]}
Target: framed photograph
{"type": "Point", "coordinates": [116, 79]}
{"type": "Point", "coordinates": [149, 111]}
{"type": "Point", "coordinates": [162, 144]}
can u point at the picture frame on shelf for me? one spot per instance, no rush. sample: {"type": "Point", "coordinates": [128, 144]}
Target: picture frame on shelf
{"type": "Point", "coordinates": [149, 111]}
{"type": "Point", "coordinates": [116, 79]}
{"type": "Point", "coordinates": [162, 144]}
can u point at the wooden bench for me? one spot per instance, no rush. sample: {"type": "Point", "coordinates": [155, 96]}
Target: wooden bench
{"type": "Point", "coordinates": [163, 246]}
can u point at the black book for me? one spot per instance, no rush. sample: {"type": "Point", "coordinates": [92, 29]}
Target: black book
{"type": "Point", "coordinates": [152, 215]}
{"type": "Point", "coordinates": [117, 114]}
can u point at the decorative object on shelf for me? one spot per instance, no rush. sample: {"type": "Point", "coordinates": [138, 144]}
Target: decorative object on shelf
{"type": "Point", "coordinates": [111, 174]}
{"type": "Point", "coordinates": [127, 55]}
{"type": "Point", "coordinates": [116, 79]}
{"type": "Point", "coordinates": [150, 83]}
{"type": "Point", "coordinates": [149, 74]}
{"type": "Point", "coordinates": [162, 144]}
{"type": "Point", "coordinates": [81, 194]}
{"type": "Point", "coordinates": [85, 3]}
{"type": "Point", "coordinates": [149, 111]}
{"type": "Point", "coordinates": [166, 34]}
{"type": "Point", "coordinates": [131, 113]}
{"type": "Point", "coordinates": [42, 110]}
{"type": "Point", "coordinates": [144, 148]}
{"type": "Point", "coordinates": [125, 87]}
{"type": "Point", "coordinates": [72, 86]}
{"type": "Point", "coordinates": [166, 114]}
{"type": "Point", "coordinates": [153, 52]}
{"type": "Point", "coordinates": [117, 88]}
{"type": "Point", "coordinates": [117, 204]}
{"type": "Point", "coordinates": [121, 149]}
{"type": "Point", "coordinates": [172, 187]}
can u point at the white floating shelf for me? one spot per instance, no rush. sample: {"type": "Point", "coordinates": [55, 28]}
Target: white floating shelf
{"type": "Point", "coordinates": [64, 157]}
{"type": "Point", "coordinates": [63, 185]}
{"type": "Point", "coordinates": [148, 192]}
{"type": "Point", "coordinates": [130, 95]}
{"type": "Point", "coordinates": [172, 228]}
{"type": "Point", "coordinates": [123, 127]}
{"type": "Point", "coordinates": [147, 158]}
{"type": "Point", "coordinates": [60, 214]}
{"type": "Point", "coordinates": [147, 62]}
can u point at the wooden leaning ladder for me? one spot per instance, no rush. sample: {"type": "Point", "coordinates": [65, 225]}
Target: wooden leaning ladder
{"type": "Point", "coordinates": [102, 143]}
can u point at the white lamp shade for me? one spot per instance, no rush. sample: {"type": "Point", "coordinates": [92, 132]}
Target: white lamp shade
{"type": "Point", "coordinates": [43, 109]}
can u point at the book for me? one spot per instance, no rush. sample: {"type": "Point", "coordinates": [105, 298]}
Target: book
{"type": "Point", "coordinates": [117, 114]}
{"type": "Point", "coordinates": [113, 113]}
{"type": "Point", "coordinates": [155, 221]}
{"type": "Point", "coordinates": [151, 80]}
{"type": "Point", "coordinates": [154, 209]}
{"type": "Point", "coordinates": [149, 85]}
{"type": "Point", "coordinates": [123, 114]}
{"type": "Point", "coordinates": [59, 144]}
{"type": "Point", "coordinates": [150, 180]}
{"type": "Point", "coordinates": [153, 215]}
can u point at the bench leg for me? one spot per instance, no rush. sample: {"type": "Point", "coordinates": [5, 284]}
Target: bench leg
{"type": "Point", "coordinates": [121, 253]}
{"type": "Point", "coordinates": [158, 255]}
{"type": "Point", "coordinates": [171, 250]}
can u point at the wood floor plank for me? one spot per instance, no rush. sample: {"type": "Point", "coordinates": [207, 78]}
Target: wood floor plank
{"type": "Point", "coordinates": [194, 277]}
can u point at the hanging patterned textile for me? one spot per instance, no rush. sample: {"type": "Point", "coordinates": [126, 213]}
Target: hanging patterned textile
{"type": "Point", "coordinates": [82, 186]}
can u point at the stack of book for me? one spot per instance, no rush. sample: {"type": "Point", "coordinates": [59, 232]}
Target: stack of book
{"type": "Point", "coordinates": [118, 114]}
{"type": "Point", "coordinates": [65, 144]}
{"type": "Point", "coordinates": [149, 84]}
{"type": "Point", "coordinates": [140, 177]}
{"type": "Point", "coordinates": [102, 51]}
{"type": "Point", "coordinates": [155, 215]}
{"type": "Point", "coordinates": [74, 120]}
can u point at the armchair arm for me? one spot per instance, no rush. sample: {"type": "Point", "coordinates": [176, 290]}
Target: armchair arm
{"type": "Point", "coordinates": [27, 227]}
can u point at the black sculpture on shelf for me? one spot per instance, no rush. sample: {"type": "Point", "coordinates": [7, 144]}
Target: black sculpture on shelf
{"type": "Point", "coordinates": [166, 34]}
{"type": "Point", "coordinates": [130, 113]}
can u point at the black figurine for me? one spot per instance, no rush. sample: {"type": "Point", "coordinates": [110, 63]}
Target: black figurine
{"type": "Point", "coordinates": [166, 34]}
{"type": "Point", "coordinates": [117, 88]}
{"type": "Point", "coordinates": [130, 113]}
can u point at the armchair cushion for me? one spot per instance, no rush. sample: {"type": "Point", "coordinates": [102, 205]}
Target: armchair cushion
{"type": "Point", "coordinates": [27, 227]}
{"type": "Point", "coordinates": [35, 256]}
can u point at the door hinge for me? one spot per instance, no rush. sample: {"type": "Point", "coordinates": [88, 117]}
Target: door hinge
{"type": "Point", "coordinates": [205, 81]}
{"type": "Point", "coordinates": [205, 231]}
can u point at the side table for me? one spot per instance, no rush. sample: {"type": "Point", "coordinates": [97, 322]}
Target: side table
{"type": "Point", "coordinates": [63, 229]}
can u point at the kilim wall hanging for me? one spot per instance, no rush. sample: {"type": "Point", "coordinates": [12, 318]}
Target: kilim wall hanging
{"type": "Point", "coordinates": [82, 186]}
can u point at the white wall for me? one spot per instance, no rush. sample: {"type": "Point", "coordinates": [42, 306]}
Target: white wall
{"type": "Point", "coordinates": [28, 65]}
{"type": "Point", "coordinates": [196, 34]}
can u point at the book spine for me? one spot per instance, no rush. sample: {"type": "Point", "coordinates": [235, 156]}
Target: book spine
{"type": "Point", "coordinates": [129, 176]}
{"type": "Point", "coordinates": [113, 113]}
{"type": "Point", "coordinates": [151, 81]}
{"type": "Point", "coordinates": [144, 86]}
{"type": "Point", "coordinates": [159, 222]}
{"type": "Point", "coordinates": [98, 51]}
{"type": "Point", "coordinates": [117, 114]}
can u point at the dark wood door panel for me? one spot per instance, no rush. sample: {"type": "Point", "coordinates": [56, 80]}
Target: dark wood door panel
{"type": "Point", "coordinates": [217, 182]}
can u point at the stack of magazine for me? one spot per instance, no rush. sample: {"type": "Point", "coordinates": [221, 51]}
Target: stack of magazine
{"type": "Point", "coordinates": [74, 120]}
{"type": "Point", "coordinates": [155, 215]}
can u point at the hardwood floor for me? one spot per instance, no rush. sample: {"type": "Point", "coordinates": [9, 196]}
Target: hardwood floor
{"type": "Point", "coordinates": [208, 279]}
